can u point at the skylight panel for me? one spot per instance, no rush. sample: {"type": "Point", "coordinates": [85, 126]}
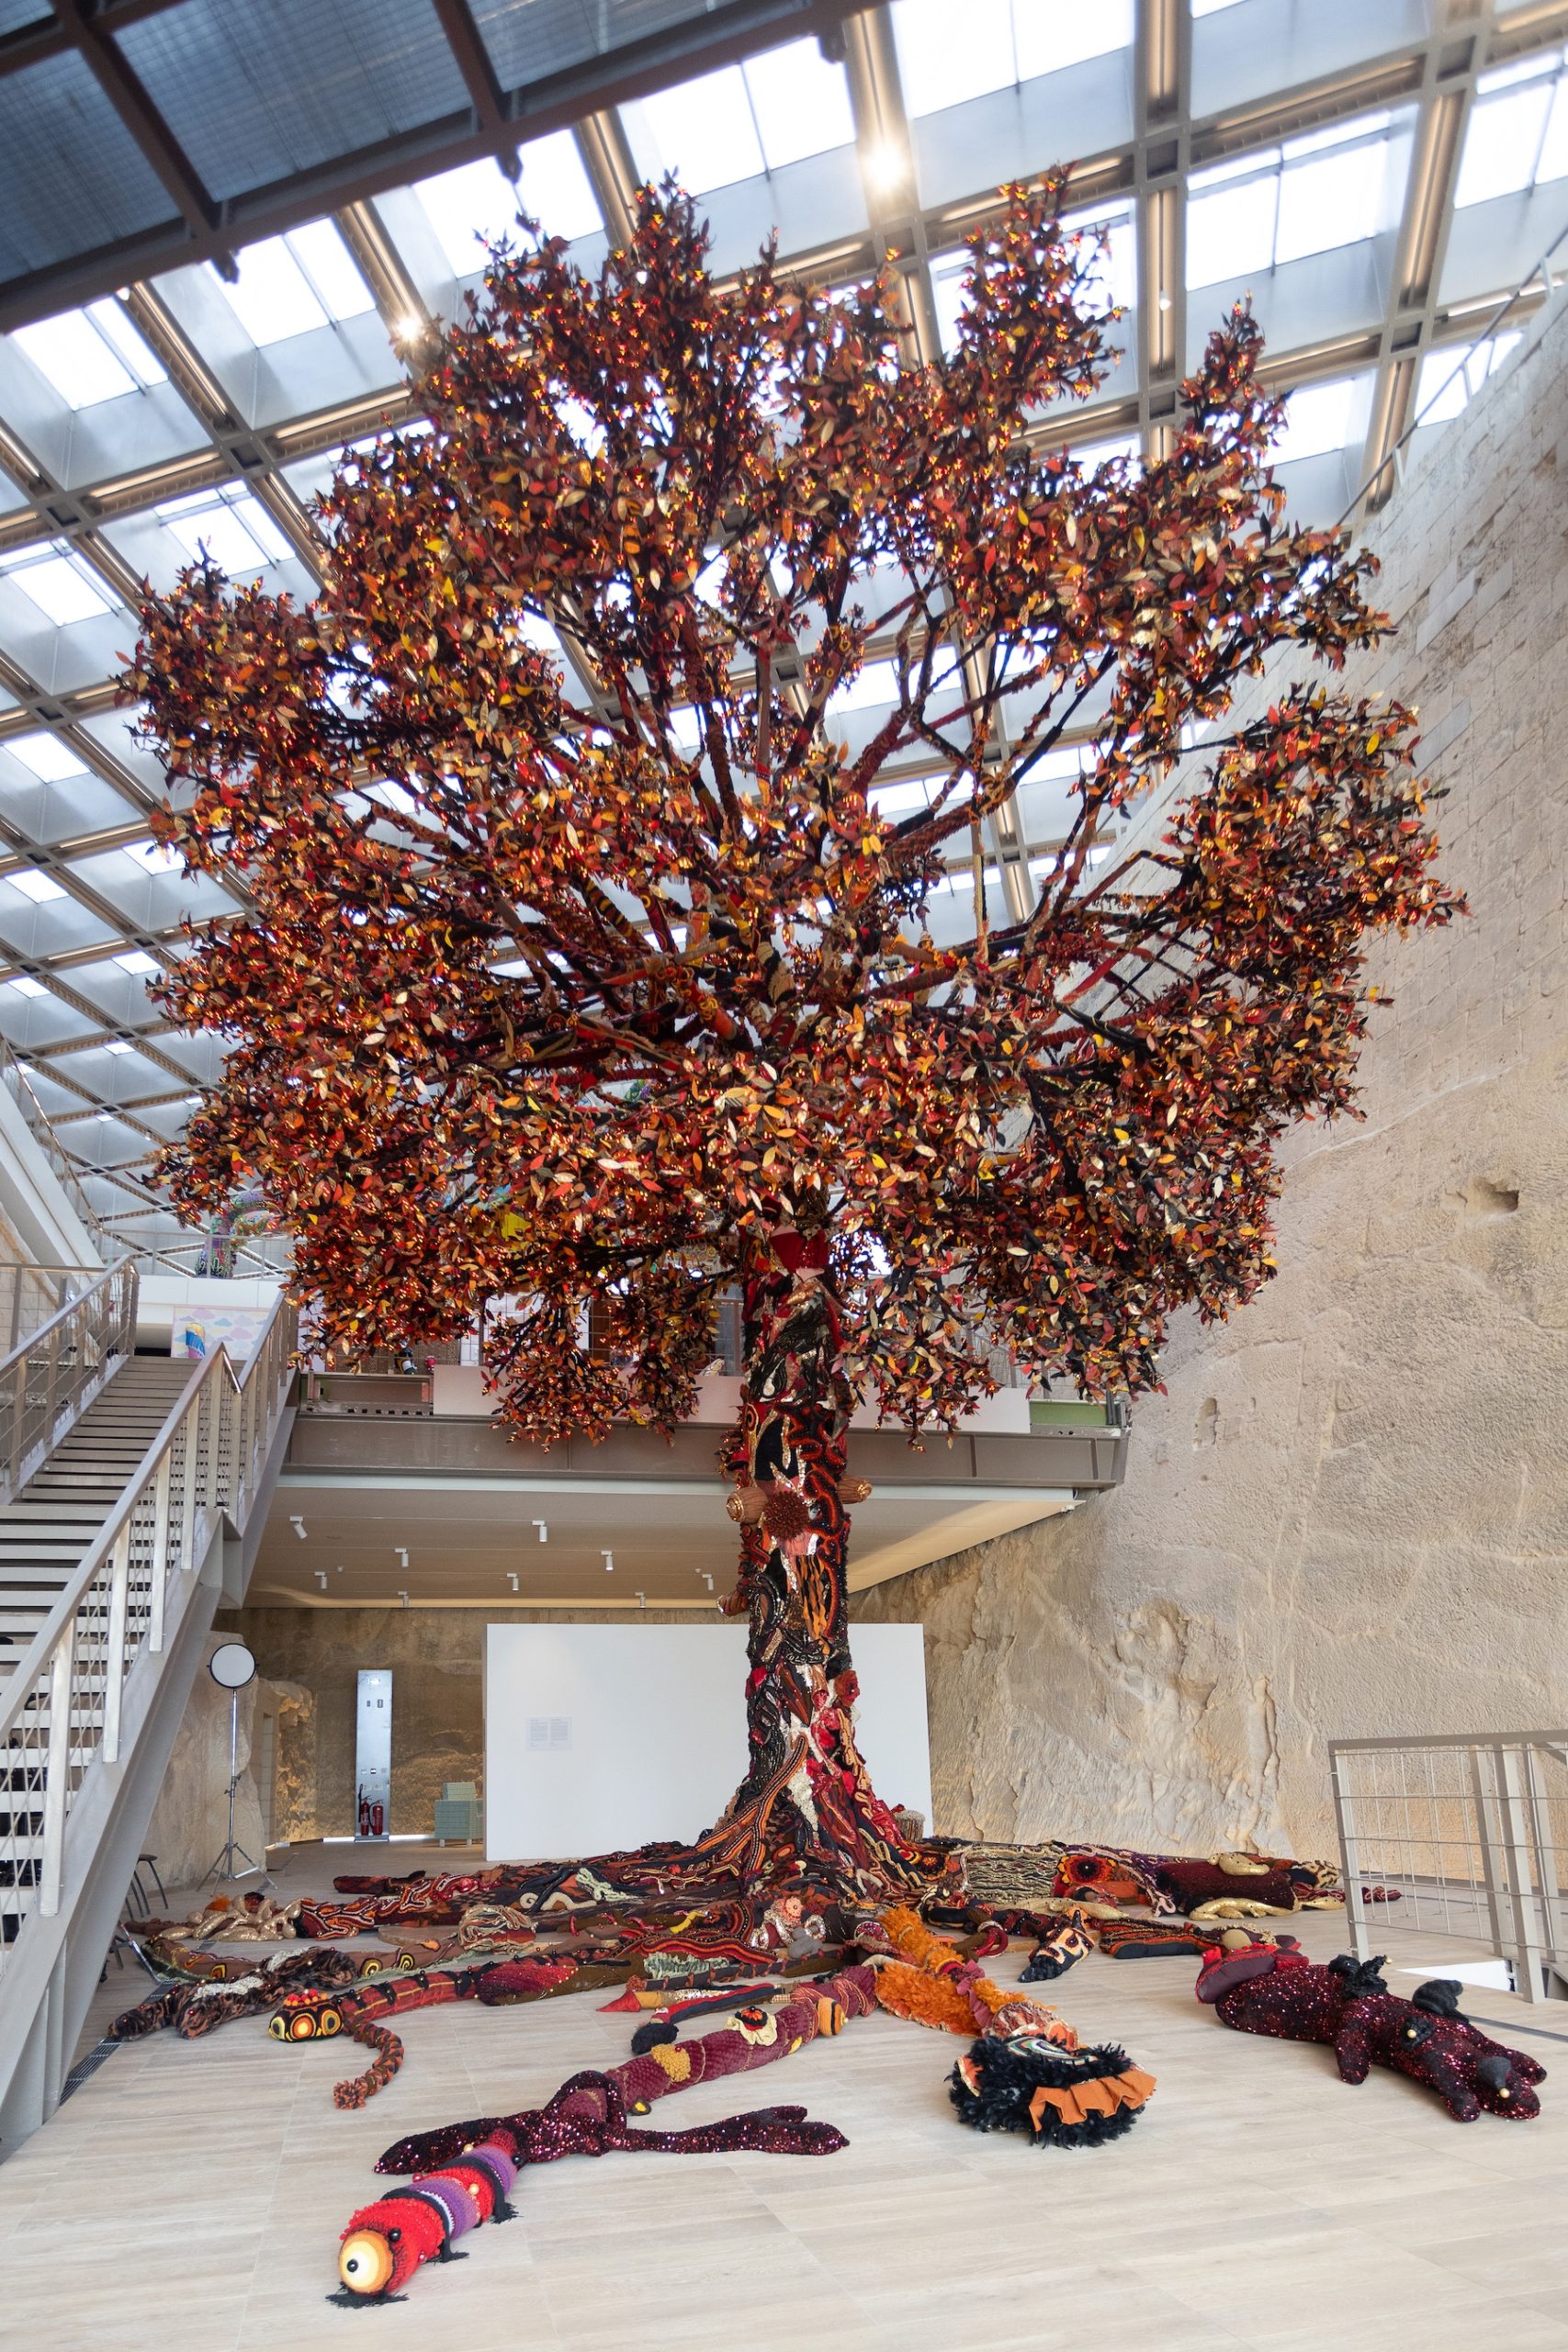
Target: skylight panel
{"type": "Point", "coordinates": [469, 208]}
{"type": "Point", "coordinates": [1332, 199]}
{"type": "Point", "coordinates": [1051, 34]}
{"type": "Point", "coordinates": [799, 102]}
{"type": "Point", "coordinates": [1449, 380]}
{"type": "Point", "coordinates": [50, 760]}
{"type": "Point", "coordinates": [947, 54]}
{"type": "Point", "coordinates": [1552, 162]}
{"type": "Point", "coordinates": [139, 963]}
{"type": "Point", "coordinates": [117, 329]}
{"type": "Point", "coordinates": [1502, 144]}
{"type": "Point", "coordinates": [60, 586]}
{"type": "Point", "coordinates": [556, 189]}
{"type": "Point", "coordinates": [235, 530]}
{"type": "Point", "coordinates": [1321, 418]}
{"type": "Point", "coordinates": [291, 285]}
{"type": "Point", "coordinates": [117, 1046]}
{"type": "Point", "coordinates": [35, 884]}
{"type": "Point", "coordinates": [152, 857]}
{"type": "Point", "coordinates": [23, 984]}
{"type": "Point", "coordinates": [272, 297]}
{"type": "Point", "coordinates": [943, 62]}
{"type": "Point", "coordinates": [74, 360]}
{"type": "Point", "coordinates": [332, 270]}
{"type": "Point", "coordinates": [1230, 230]}
{"type": "Point", "coordinates": [704, 131]}
{"type": "Point", "coordinates": [1113, 274]}
{"type": "Point", "coordinates": [1213, 8]}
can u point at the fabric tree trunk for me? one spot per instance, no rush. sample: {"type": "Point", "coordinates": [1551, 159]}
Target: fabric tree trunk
{"type": "Point", "coordinates": [807, 1807]}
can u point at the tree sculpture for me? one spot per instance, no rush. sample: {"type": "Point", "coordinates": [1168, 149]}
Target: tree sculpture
{"type": "Point", "coordinates": [601, 986]}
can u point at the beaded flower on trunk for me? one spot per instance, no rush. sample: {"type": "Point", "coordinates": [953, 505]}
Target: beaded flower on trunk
{"type": "Point", "coordinates": [683, 852]}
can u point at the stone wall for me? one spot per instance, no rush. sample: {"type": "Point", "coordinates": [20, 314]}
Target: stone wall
{"type": "Point", "coordinates": [311, 1658]}
{"type": "Point", "coordinates": [1348, 1513]}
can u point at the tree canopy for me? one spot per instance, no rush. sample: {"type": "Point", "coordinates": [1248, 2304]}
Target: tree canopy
{"type": "Point", "coordinates": [588, 940]}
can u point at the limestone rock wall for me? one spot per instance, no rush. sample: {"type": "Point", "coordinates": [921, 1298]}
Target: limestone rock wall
{"type": "Point", "coordinates": [1348, 1513]}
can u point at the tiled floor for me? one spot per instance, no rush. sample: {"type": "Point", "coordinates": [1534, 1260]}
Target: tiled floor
{"type": "Point", "coordinates": [189, 2197]}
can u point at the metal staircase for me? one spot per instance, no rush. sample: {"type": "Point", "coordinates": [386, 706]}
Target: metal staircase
{"type": "Point", "coordinates": [136, 1517]}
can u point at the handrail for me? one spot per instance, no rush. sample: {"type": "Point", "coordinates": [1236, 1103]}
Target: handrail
{"type": "Point", "coordinates": [51, 1377]}
{"type": "Point", "coordinates": [63, 1708]}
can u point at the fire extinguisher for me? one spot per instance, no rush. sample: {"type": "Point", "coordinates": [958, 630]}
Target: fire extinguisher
{"type": "Point", "coordinates": [364, 1814]}
{"type": "Point", "coordinates": [378, 1819]}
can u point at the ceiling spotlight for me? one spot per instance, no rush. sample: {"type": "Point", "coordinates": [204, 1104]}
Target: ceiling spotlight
{"type": "Point", "coordinates": [403, 1556]}
{"type": "Point", "coordinates": [609, 1564]}
{"type": "Point", "coordinates": [642, 1600]}
{"type": "Point", "coordinates": [1164, 301]}
{"type": "Point", "coordinates": [297, 1524]}
{"type": "Point", "coordinates": [409, 329]}
{"type": "Point", "coordinates": [321, 1578]}
{"type": "Point", "coordinates": [544, 1531]}
{"type": "Point", "coordinates": [706, 1578]}
{"type": "Point", "coordinates": [403, 1597]}
{"type": "Point", "coordinates": [511, 1579]}
{"type": "Point", "coordinates": [885, 165]}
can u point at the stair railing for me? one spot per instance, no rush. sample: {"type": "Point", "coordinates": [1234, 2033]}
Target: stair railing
{"type": "Point", "coordinates": [51, 1377]}
{"type": "Point", "coordinates": [70, 1702]}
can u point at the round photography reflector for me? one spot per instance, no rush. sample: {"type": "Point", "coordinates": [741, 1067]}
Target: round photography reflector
{"type": "Point", "coordinates": [232, 1664]}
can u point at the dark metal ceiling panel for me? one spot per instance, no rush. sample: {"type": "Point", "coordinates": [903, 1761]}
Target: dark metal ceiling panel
{"type": "Point", "coordinates": [70, 175]}
{"type": "Point", "coordinates": [278, 86]}
{"type": "Point", "coordinates": [528, 39]}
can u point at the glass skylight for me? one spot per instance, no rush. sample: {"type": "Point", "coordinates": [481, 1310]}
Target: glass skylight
{"type": "Point", "coordinates": [876, 683]}
{"type": "Point", "coordinates": [947, 54]}
{"type": "Point", "coordinates": [23, 985]}
{"type": "Point", "coordinates": [50, 760]}
{"type": "Point", "coordinates": [34, 883]}
{"type": "Point", "coordinates": [1328, 188]}
{"type": "Point", "coordinates": [744, 119]}
{"type": "Point", "coordinates": [90, 355]}
{"type": "Point", "coordinates": [152, 857]}
{"type": "Point", "coordinates": [138, 963]}
{"type": "Point", "coordinates": [1322, 417]}
{"type": "Point", "coordinates": [1518, 135]}
{"type": "Point", "coordinates": [60, 586]}
{"type": "Point", "coordinates": [1452, 378]}
{"type": "Point", "coordinates": [231, 527]}
{"type": "Point", "coordinates": [476, 204]}
{"type": "Point", "coordinates": [288, 286]}
{"type": "Point", "coordinates": [117, 1046]}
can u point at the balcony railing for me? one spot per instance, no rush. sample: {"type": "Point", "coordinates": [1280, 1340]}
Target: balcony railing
{"type": "Point", "coordinates": [50, 1375]}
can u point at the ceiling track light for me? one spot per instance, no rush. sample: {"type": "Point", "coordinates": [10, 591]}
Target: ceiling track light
{"type": "Point", "coordinates": [321, 1578]}
{"type": "Point", "coordinates": [511, 1579]}
{"type": "Point", "coordinates": [543, 1528]}
{"type": "Point", "coordinates": [642, 1600]}
{"type": "Point", "coordinates": [403, 1597]}
{"type": "Point", "coordinates": [609, 1564]}
{"type": "Point", "coordinates": [403, 1557]}
{"type": "Point", "coordinates": [297, 1524]}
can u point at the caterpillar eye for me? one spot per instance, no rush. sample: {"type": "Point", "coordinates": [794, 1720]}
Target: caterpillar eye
{"type": "Point", "coordinates": [365, 2264]}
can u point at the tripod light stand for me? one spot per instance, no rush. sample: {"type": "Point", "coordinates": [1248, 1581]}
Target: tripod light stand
{"type": "Point", "coordinates": [232, 1666]}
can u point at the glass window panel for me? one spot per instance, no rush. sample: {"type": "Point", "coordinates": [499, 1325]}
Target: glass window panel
{"type": "Point", "coordinates": [1452, 378]}
{"type": "Point", "coordinates": [945, 59]}
{"type": "Point", "coordinates": [556, 189]}
{"type": "Point", "coordinates": [272, 297]}
{"type": "Point", "coordinates": [139, 357]}
{"type": "Point", "coordinates": [1502, 144]}
{"type": "Point", "coordinates": [1050, 34]}
{"type": "Point", "coordinates": [1318, 418]}
{"type": "Point", "coordinates": [1333, 200]}
{"type": "Point", "coordinates": [74, 360]}
{"type": "Point", "coordinates": [1553, 160]}
{"type": "Point", "coordinates": [800, 103]}
{"type": "Point", "coordinates": [34, 883]}
{"type": "Point", "coordinates": [877, 683]}
{"type": "Point", "coordinates": [26, 987]}
{"type": "Point", "coordinates": [1114, 277]}
{"type": "Point", "coordinates": [469, 208]}
{"type": "Point", "coordinates": [332, 270]}
{"type": "Point", "coordinates": [701, 131]}
{"type": "Point", "coordinates": [47, 758]}
{"type": "Point", "coordinates": [59, 589]}
{"type": "Point", "coordinates": [1230, 232]}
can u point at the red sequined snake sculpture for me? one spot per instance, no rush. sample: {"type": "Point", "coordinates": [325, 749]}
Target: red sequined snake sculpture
{"type": "Point", "coordinates": [1273, 1989]}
